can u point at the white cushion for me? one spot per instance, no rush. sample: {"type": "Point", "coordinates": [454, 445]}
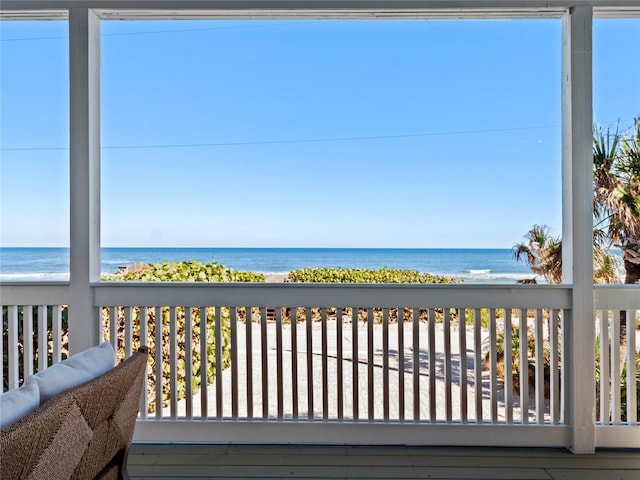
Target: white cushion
{"type": "Point", "coordinates": [77, 369]}
{"type": "Point", "coordinates": [18, 403]}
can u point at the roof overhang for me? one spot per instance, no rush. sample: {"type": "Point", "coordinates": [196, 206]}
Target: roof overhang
{"type": "Point", "coordinates": [319, 9]}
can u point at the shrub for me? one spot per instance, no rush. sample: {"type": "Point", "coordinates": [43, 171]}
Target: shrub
{"type": "Point", "coordinates": [358, 275]}
{"type": "Point", "coordinates": [48, 348]}
{"type": "Point", "coordinates": [186, 271]}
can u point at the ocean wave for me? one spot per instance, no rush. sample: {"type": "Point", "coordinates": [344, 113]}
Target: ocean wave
{"type": "Point", "coordinates": [485, 276]}
{"type": "Point", "coordinates": [9, 277]}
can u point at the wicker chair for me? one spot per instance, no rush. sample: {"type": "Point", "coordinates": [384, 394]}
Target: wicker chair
{"type": "Point", "coordinates": [82, 433]}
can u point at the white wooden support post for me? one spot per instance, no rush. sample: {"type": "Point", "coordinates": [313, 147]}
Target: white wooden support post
{"type": "Point", "coordinates": [84, 104]}
{"type": "Point", "coordinates": [577, 219]}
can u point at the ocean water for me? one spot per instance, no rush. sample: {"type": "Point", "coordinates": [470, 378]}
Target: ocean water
{"type": "Point", "coordinates": [468, 265]}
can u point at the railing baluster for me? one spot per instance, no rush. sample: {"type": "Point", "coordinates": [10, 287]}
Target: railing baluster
{"type": "Point", "coordinates": [401, 366]}
{"type": "Point", "coordinates": [42, 338]}
{"type": "Point", "coordinates": [433, 394]}
{"type": "Point", "coordinates": [340, 360]}
{"type": "Point", "coordinates": [508, 363]}
{"type": "Point", "coordinates": [12, 347]}
{"type": "Point", "coordinates": [370, 398]}
{"type": "Point", "coordinates": [554, 395]}
{"type": "Point", "coordinates": [173, 362]}
{"type": "Point", "coordinates": [477, 362]}
{"type": "Point", "coordinates": [2, 361]}
{"type": "Point", "coordinates": [249, 357]}
{"type": "Point", "coordinates": [462, 336]}
{"type": "Point", "coordinates": [128, 333]}
{"type": "Point", "coordinates": [355, 366]}
{"type": "Point", "coordinates": [632, 412]}
{"type": "Point", "coordinates": [265, 365]}
{"type": "Point", "coordinates": [385, 364]}
{"type": "Point", "coordinates": [144, 341]}
{"type": "Point", "coordinates": [280, 376]}
{"type": "Point", "coordinates": [294, 362]}
{"type": "Point", "coordinates": [188, 362]}
{"type": "Point", "coordinates": [158, 359]}
{"type": "Point", "coordinates": [308, 333]}
{"type": "Point", "coordinates": [524, 367]}
{"type": "Point", "coordinates": [325, 366]}
{"type": "Point", "coordinates": [113, 328]}
{"type": "Point", "coordinates": [234, 362]}
{"type": "Point", "coordinates": [603, 318]}
{"type": "Point", "coordinates": [615, 368]}
{"type": "Point", "coordinates": [204, 363]}
{"type": "Point", "coordinates": [493, 361]}
{"type": "Point", "coordinates": [27, 341]}
{"type": "Point", "coordinates": [56, 334]}
{"type": "Point", "coordinates": [539, 379]}
{"type": "Point", "coordinates": [416, 364]}
{"type": "Point", "coordinates": [447, 364]}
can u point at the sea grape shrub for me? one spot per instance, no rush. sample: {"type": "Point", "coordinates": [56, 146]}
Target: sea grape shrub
{"type": "Point", "coordinates": [186, 271]}
{"type": "Point", "coordinates": [359, 275]}
{"type": "Point", "coordinates": [163, 323]}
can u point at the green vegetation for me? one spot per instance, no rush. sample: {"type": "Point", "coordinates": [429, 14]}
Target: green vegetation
{"type": "Point", "coordinates": [358, 275]}
{"type": "Point", "coordinates": [186, 271]}
{"type": "Point", "coordinates": [616, 208]}
{"type": "Point", "coordinates": [623, 386]}
{"type": "Point", "coordinates": [546, 362]}
{"type": "Point", "coordinates": [48, 348]}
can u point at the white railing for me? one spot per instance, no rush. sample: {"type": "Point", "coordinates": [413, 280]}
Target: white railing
{"type": "Point", "coordinates": [415, 356]}
{"type": "Point", "coordinates": [33, 336]}
{"type": "Point", "coordinates": [287, 363]}
{"type": "Point", "coordinates": [617, 365]}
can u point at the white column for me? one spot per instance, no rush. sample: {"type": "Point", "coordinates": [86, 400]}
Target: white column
{"type": "Point", "coordinates": [84, 84]}
{"type": "Point", "coordinates": [577, 219]}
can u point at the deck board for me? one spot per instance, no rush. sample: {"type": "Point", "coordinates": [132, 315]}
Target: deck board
{"type": "Point", "coordinates": [324, 462]}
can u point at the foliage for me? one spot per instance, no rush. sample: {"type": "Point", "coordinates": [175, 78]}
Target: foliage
{"type": "Point", "coordinates": [616, 208]}
{"type": "Point", "coordinates": [484, 316]}
{"type": "Point", "coordinates": [622, 383]}
{"type": "Point", "coordinates": [48, 350]}
{"type": "Point", "coordinates": [163, 323]}
{"type": "Point", "coordinates": [616, 173]}
{"type": "Point", "coordinates": [515, 358]}
{"type": "Point", "coordinates": [623, 390]}
{"type": "Point", "coordinates": [542, 252]}
{"type": "Point", "coordinates": [357, 275]}
{"type": "Point", "coordinates": [188, 271]}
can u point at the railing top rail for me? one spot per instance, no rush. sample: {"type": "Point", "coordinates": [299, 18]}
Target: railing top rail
{"type": "Point", "coordinates": [34, 293]}
{"type": "Point", "coordinates": [334, 295]}
{"type": "Point", "coordinates": [616, 297]}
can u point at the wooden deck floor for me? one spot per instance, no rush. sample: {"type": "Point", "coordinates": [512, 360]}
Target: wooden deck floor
{"type": "Point", "coordinates": [352, 462]}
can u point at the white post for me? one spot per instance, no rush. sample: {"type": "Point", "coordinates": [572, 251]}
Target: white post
{"type": "Point", "coordinates": [84, 104]}
{"type": "Point", "coordinates": [577, 219]}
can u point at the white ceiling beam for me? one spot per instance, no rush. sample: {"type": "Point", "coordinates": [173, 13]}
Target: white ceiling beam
{"type": "Point", "coordinates": [277, 9]}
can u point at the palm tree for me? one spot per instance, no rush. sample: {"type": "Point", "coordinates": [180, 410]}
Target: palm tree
{"type": "Point", "coordinates": [616, 175]}
{"type": "Point", "coordinates": [542, 252]}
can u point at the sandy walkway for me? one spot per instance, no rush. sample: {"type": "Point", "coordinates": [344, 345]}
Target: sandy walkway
{"type": "Point", "coordinates": [366, 396]}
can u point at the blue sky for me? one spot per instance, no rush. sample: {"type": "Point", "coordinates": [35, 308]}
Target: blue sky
{"type": "Point", "coordinates": [304, 133]}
